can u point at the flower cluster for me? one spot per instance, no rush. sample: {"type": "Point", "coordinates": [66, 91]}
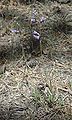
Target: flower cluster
{"type": "Point", "coordinates": [33, 19]}
{"type": "Point", "coordinates": [35, 34]}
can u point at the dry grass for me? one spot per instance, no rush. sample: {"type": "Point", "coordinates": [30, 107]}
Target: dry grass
{"type": "Point", "coordinates": [39, 88]}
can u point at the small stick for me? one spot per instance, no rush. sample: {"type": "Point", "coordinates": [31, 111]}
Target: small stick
{"type": "Point", "coordinates": [65, 90]}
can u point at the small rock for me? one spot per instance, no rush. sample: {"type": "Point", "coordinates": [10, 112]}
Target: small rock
{"type": "Point", "coordinates": [32, 63]}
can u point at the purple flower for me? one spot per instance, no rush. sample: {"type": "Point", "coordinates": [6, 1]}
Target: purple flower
{"type": "Point", "coordinates": [33, 20]}
{"type": "Point", "coordinates": [14, 31]}
{"type": "Point", "coordinates": [34, 12]}
{"type": "Point", "coordinates": [36, 35]}
{"type": "Point", "coordinates": [42, 20]}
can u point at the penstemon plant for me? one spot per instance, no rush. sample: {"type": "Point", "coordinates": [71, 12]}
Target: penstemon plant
{"type": "Point", "coordinates": [36, 35]}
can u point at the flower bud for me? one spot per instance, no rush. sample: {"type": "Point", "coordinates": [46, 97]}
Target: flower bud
{"type": "Point", "coordinates": [42, 20]}
{"type": "Point", "coordinates": [36, 35]}
{"type": "Point", "coordinates": [14, 31]}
